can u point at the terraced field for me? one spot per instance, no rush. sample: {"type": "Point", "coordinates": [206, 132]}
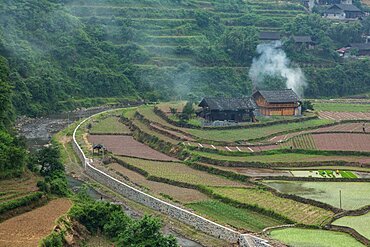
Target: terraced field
{"type": "Point", "coordinates": [359, 223]}
{"type": "Point", "coordinates": [282, 158]}
{"type": "Point", "coordinates": [236, 217]}
{"type": "Point", "coordinates": [109, 125]}
{"type": "Point", "coordinates": [183, 195]}
{"type": "Point", "coordinates": [295, 211]}
{"type": "Point", "coordinates": [297, 237]}
{"type": "Point", "coordinates": [179, 172]}
{"type": "Point", "coordinates": [354, 194]}
{"type": "Point", "coordinates": [170, 35]}
{"type": "Point", "coordinates": [127, 145]}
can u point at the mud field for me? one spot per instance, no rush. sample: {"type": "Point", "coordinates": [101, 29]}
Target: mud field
{"type": "Point", "coordinates": [345, 141]}
{"type": "Point", "coordinates": [127, 145]}
{"type": "Point", "coordinates": [29, 228]}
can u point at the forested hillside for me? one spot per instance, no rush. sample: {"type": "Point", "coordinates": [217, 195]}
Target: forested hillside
{"type": "Point", "coordinates": [68, 53]}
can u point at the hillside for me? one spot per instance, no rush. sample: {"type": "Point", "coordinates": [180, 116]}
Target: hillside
{"type": "Point", "coordinates": [71, 53]}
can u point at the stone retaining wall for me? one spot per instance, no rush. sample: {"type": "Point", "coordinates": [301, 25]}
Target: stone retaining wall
{"type": "Point", "coordinates": [198, 222]}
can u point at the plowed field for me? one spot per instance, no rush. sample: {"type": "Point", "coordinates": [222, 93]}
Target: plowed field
{"type": "Point", "coordinates": [345, 141]}
{"type": "Point", "coordinates": [127, 145]}
{"type": "Point", "coordinates": [29, 228]}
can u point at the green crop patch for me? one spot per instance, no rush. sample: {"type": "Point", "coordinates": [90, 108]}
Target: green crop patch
{"type": "Point", "coordinates": [288, 158]}
{"type": "Point", "coordinates": [179, 172]}
{"type": "Point", "coordinates": [298, 237]}
{"type": "Point", "coordinates": [341, 107]}
{"type": "Point", "coordinates": [109, 125]}
{"type": "Point", "coordinates": [293, 210]}
{"type": "Point", "coordinates": [233, 135]}
{"type": "Point", "coordinates": [359, 223]}
{"type": "Point", "coordinates": [239, 218]}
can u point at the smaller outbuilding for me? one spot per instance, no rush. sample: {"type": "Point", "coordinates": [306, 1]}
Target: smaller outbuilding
{"type": "Point", "coordinates": [227, 109]}
{"type": "Point", "coordinates": [277, 102]}
{"type": "Point", "coordinates": [343, 12]}
{"type": "Point", "coordinates": [269, 36]}
{"type": "Point", "coordinates": [305, 41]}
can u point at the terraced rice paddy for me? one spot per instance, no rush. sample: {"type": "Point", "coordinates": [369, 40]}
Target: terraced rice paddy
{"type": "Point", "coordinates": [254, 133]}
{"type": "Point", "coordinates": [109, 125]}
{"type": "Point", "coordinates": [183, 195]}
{"type": "Point", "coordinates": [295, 211]}
{"type": "Point", "coordinates": [179, 172]}
{"type": "Point", "coordinates": [354, 194]}
{"type": "Point", "coordinates": [297, 237]}
{"type": "Point", "coordinates": [281, 158]}
{"type": "Point", "coordinates": [236, 217]}
{"type": "Point", "coordinates": [127, 145]}
{"type": "Point", "coordinates": [342, 107]}
{"type": "Point", "coordinates": [359, 223]}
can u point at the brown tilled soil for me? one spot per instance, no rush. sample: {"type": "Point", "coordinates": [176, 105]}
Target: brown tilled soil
{"type": "Point", "coordinates": [180, 194]}
{"type": "Point", "coordinates": [344, 115]}
{"type": "Point", "coordinates": [345, 141]}
{"type": "Point", "coordinates": [29, 228]}
{"type": "Point", "coordinates": [127, 145]}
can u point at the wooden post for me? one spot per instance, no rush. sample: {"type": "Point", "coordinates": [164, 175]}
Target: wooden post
{"type": "Point", "coordinates": [340, 199]}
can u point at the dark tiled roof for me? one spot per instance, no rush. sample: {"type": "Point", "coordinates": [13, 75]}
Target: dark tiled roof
{"type": "Point", "coordinates": [269, 35]}
{"type": "Point", "coordinates": [302, 39]}
{"type": "Point", "coordinates": [344, 7]}
{"type": "Point", "coordinates": [279, 96]}
{"type": "Point", "coordinates": [228, 104]}
{"type": "Point", "coordinates": [361, 46]}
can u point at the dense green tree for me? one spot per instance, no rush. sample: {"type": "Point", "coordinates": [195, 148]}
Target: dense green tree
{"type": "Point", "coordinates": [241, 44]}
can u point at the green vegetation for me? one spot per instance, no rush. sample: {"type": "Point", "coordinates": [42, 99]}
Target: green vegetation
{"type": "Point", "coordinates": [109, 125]}
{"type": "Point", "coordinates": [52, 169]}
{"type": "Point", "coordinates": [342, 107]}
{"type": "Point", "coordinates": [323, 174]}
{"type": "Point", "coordinates": [177, 172]}
{"type": "Point", "coordinates": [297, 237]}
{"type": "Point", "coordinates": [98, 216]}
{"type": "Point", "coordinates": [277, 157]}
{"type": "Point", "coordinates": [20, 202]}
{"type": "Point", "coordinates": [354, 194]}
{"type": "Point", "coordinates": [295, 211]}
{"type": "Point", "coordinates": [117, 51]}
{"type": "Point", "coordinates": [255, 133]}
{"type": "Point", "coordinates": [359, 223]}
{"type": "Point", "coordinates": [237, 217]}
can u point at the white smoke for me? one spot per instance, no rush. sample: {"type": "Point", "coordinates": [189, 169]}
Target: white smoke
{"type": "Point", "coordinates": [273, 61]}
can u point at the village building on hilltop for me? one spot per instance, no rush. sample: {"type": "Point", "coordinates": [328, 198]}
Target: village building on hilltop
{"type": "Point", "coordinates": [263, 103]}
{"type": "Point", "coordinates": [343, 12]}
{"type": "Point", "coordinates": [277, 102]}
{"type": "Point", "coordinates": [227, 109]}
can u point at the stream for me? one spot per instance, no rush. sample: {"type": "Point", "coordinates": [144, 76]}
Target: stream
{"type": "Point", "coordinates": [38, 132]}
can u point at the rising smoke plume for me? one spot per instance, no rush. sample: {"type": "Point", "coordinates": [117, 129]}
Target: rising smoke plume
{"type": "Point", "coordinates": [272, 61]}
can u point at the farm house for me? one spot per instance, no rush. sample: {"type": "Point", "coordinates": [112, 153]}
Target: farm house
{"type": "Point", "coordinates": [277, 103]}
{"type": "Point", "coordinates": [229, 109]}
